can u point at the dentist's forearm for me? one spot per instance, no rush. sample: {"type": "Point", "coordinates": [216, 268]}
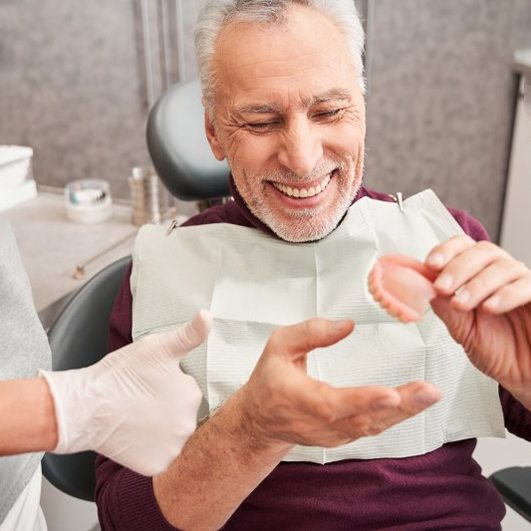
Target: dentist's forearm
{"type": "Point", "coordinates": [28, 417]}
{"type": "Point", "coordinates": [221, 464]}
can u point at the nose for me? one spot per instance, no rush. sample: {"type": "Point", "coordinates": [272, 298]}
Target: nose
{"type": "Point", "coordinates": [301, 146]}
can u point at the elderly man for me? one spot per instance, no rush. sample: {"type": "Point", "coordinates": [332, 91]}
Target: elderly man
{"type": "Point", "coordinates": [291, 440]}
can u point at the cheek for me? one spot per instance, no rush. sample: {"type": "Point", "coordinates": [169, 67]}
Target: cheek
{"type": "Point", "coordinates": [348, 144]}
{"type": "Point", "coordinates": [251, 153]}
{"type": "Point", "coordinates": [245, 160]}
{"type": "Point", "coordinates": [350, 137]}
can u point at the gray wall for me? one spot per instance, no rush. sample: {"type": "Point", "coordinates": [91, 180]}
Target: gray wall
{"type": "Point", "coordinates": [441, 98]}
{"type": "Point", "coordinates": [71, 88]}
{"type": "Point", "coordinates": [72, 85]}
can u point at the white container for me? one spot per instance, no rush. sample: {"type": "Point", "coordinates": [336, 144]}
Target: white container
{"type": "Point", "coordinates": [16, 176]}
{"type": "Point", "coordinates": [15, 166]}
{"type": "Point", "coordinates": [88, 201]}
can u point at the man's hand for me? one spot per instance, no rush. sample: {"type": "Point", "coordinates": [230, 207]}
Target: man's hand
{"type": "Point", "coordinates": [283, 404]}
{"type": "Point", "coordinates": [135, 406]}
{"type": "Point", "coordinates": [279, 406]}
{"type": "Point", "coordinates": [484, 300]}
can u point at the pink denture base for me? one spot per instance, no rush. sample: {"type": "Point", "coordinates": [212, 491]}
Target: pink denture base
{"type": "Point", "coordinates": [402, 285]}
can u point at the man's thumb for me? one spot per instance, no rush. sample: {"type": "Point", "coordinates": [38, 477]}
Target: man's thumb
{"type": "Point", "coordinates": [297, 340]}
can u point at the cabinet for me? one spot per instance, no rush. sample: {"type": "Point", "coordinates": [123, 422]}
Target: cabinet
{"type": "Point", "coordinates": [516, 220]}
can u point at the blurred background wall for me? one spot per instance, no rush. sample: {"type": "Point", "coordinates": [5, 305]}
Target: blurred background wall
{"type": "Point", "coordinates": [77, 78]}
{"type": "Point", "coordinates": [441, 98]}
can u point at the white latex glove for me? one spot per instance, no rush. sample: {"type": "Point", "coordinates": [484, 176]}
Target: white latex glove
{"type": "Point", "coordinates": [135, 406]}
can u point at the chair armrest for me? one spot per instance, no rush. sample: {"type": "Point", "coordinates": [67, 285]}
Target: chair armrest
{"type": "Point", "coordinates": [514, 485]}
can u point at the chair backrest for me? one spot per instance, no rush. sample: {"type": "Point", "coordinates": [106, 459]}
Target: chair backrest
{"type": "Point", "coordinates": [78, 338]}
{"type": "Point", "coordinates": [179, 149]}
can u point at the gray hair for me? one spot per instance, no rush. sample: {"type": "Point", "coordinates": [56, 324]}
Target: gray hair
{"type": "Point", "coordinates": [217, 14]}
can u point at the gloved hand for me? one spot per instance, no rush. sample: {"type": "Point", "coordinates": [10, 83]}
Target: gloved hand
{"type": "Point", "coordinates": [135, 406]}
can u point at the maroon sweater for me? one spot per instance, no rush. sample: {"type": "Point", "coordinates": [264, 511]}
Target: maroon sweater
{"type": "Point", "coordinates": [443, 489]}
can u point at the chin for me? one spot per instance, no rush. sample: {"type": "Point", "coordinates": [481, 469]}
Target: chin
{"type": "Point", "coordinates": [303, 229]}
{"type": "Point", "coordinates": [306, 225]}
{"type": "Point", "coordinates": [303, 235]}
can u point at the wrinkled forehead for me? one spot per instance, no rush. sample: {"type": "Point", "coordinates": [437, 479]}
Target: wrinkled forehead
{"type": "Point", "coordinates": [303, 57]}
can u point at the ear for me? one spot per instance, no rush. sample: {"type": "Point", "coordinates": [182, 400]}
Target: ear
{"type": "Point", "coordinates": [212, 138]}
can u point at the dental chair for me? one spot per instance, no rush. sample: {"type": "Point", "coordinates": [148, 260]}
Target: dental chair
{"type": "Point", "coordinates": [514, 486]}
{"type": "Point", "coordinates": [78, 338]}
{"type": "Point", "coordinates": [79, 335]}
{"type": "Point", "coordinates": [178, 147]}
{"type": "Point", "coordinates": [185, 164]}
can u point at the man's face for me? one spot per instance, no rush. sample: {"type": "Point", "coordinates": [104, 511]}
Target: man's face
{"type": "Point", "coordinates": [289, 117]}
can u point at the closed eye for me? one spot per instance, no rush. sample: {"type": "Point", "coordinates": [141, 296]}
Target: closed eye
{"type": "Point", "coordinates": [261, 126]}
{"type": "Point", "coordinates": [329, 114]}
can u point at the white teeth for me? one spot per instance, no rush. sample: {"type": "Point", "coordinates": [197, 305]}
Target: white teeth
{"type": "Point", "coordinates": [303, 192]}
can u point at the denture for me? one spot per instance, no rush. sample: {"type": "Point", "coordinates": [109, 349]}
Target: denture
{"type": "Point", "coordinates": [403, 286]}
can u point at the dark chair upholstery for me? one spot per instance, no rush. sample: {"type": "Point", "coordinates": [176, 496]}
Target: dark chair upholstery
{"type": "Point", "coordinates": [179, 149]}
{"type": "Point", "coordinates": [183, 160]}
{"type": "Point", "coordinates": [78, 338]}
{"type": "Point", "coordinates": [514, 485]}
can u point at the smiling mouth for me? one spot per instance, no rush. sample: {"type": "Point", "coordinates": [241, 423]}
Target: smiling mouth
{"type": "Point", "coordinates": [302, 193]}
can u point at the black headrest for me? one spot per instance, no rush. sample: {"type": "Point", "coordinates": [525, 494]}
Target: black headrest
{"type": "Point", "coordinates": [179, 149]}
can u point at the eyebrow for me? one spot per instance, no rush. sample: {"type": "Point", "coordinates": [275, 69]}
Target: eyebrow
{"type": "Point", "coordinates": [335, 94]}
{"type": "Point", "coordinates": [257, 108]}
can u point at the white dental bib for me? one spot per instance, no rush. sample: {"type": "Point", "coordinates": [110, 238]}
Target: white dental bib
{"type": "Point", "coordinates": [253, 283]}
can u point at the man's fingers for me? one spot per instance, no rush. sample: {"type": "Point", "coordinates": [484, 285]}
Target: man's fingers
{"type": "Point", "coordinates": [349, 401]}
{"type": "Point", "coordinates": [409, 398]}
{"type": "Point", "coordinates": [493, 279]}
{"type": "Point", "coordinates": [441, 254]}
{"type": "Point", "coordinates": [416, 396]}
{"type": "Point", "coordinates": [467, 265]}
{"type": "Point", "coordinates": [509, 297]}
{"type": "Point", "coordinates": [297, 340]}
{"type": "Point", "coordinates": [346, 414]}
{"type": "Point", "coordinates": [479, 273]}
{"type": "Point", "coordinates": [413, 398]}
